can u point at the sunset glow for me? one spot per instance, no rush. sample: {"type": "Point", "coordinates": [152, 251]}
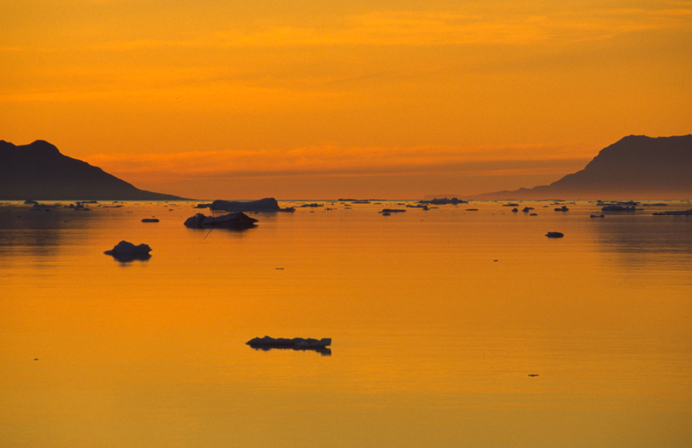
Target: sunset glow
{"type": "Point", "coordinates": [397, 99]}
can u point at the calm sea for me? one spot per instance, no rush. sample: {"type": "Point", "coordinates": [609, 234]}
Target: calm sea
{"type": "Point", "coordinates": [451, 328]}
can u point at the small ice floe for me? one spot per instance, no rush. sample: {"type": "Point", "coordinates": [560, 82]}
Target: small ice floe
{"type": "Point", "coordinates": [598, 216]}
{"type": "Point", "coordinates": [237, 221]}
{"type": "Point", "coordinates": [562, 209]}
{"type": "Point", "coordinates": [125, 251]}
{"type": "Point", "coordinates": [268, 343]}
{"type": "Point", "coordinates": [150, 220]}
{"type": "Point", "coordinates": [554, 234]}
{"type": "Point", "coordinates": [675, 213]}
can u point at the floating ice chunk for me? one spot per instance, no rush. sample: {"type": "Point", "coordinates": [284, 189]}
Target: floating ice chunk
{"type": "Point", "coordinates": [267, 343]}
{"type": "Point", "coordinates": [126, 251]}
{"type": "Point", "coordinates": [237, 220]}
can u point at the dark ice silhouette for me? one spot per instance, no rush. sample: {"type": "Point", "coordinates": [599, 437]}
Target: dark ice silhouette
{"type": "Point", "coordinates": [236, 221]}
{"type": "Point", "coordinates": [40, 171]}
{"type": "Point", "coordinates": [261, 205]}
{"type": "Point", "coordinates": [268, 343]}
{"type": "Point", "coordinates": [125, 251]}
{"type": "Point", "coordinates": [387, 211]}
{"type": "Point", "coordinates": [443, 201]}
{"type": "Point", "coordinates": [636, 166]}
{"type": "Point", "coordinates": [618, 208]}
{"type": "Point", "coordinates": [554, 234]}
{"type": "Point", "coordinates": [675, 213]}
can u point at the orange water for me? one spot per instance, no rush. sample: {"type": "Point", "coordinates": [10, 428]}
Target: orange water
{"type": "Point", "coordinates": [437, 318]}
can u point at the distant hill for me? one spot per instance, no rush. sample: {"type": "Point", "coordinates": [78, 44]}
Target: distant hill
{"type": "Point", "coordinates": [636, 167]}
{"type": "Point", "coordinates": [40, 171]}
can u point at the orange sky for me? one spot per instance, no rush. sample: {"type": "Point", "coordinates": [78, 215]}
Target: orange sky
{"type": "Point", "coordinates": [397, 99]}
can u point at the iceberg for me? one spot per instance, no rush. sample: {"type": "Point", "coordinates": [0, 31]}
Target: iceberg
{"type": "Point", "coordinates": [268, 343]}
{"type": "Point", "coordinates": [126, 251]}
{"type": "Point", "coordinates": [261, 205]}
{"type": "Point", "coordinates": [444, 201]}
{"type": "Point", "coordinates": [237, 221]}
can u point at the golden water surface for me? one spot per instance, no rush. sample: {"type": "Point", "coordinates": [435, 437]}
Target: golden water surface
{"type": "Point", "coordinates": [450, 328]}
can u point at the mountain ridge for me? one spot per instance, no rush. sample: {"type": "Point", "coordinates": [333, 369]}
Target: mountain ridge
{"type": "Point", "coordinates": [636, 166]}
{"type": "Point", "coordinates": [40, 171]}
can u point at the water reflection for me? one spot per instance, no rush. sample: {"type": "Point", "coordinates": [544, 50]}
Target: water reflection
{"type": "Point", "coordinates": [24, 231]}
{"type": "Point", "coordinates": [653, 234]}
{"type": "Point", "coordinates": [128, 258]}
{"type": "Point", "coordinates": [22, 227]}
{"type": "Point", "coordinates": [321, 350]}
{"type": "Point", "coordinates": [38, 233]}
{"type": "Point", "coordinates": [153, 356]}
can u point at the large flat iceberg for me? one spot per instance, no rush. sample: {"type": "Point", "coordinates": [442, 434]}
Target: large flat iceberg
{"type": "Point", "coordinates": [261, 205]}
{"type": "Point", "coordinates": [267, 343]}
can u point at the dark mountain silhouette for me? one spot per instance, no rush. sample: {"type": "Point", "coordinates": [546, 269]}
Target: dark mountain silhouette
{"type": "Point", "coordinates": [637, 166]}
{"type": "Point", "coordinates": [40, 171]}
